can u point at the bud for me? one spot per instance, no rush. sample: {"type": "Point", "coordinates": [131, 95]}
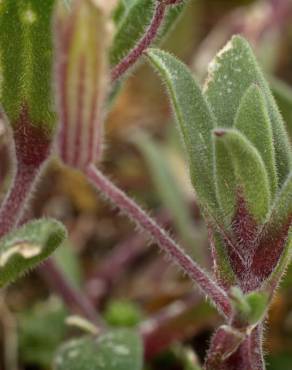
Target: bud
{"type": "Point", "coordinates": [80, 75]}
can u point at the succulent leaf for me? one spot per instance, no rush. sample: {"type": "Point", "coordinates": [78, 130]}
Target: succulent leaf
{"type": "Point", "coordinates": [195, 121]}
{"type": "Point", "coordinates": [23, 249]}
{"type": "Point", "coordinates": [231, 73]}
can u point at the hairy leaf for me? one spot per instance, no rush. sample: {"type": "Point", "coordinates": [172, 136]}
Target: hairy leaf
{"type": "Point", "coordinates": [274, 246]}
{"type": "Point", "coordinates": [119, 349]}
{"type": "Point", "coordinates": [231, 73]}
{"type": "Point", "coordinates": [134, 25]}
{"type": "Point", "coordinates": [195, 121]}
{"type": "Point", "coordinates": [224, 343]}
{"type": "Point", "coordinates": [249, 180]}
{"type": "Point", "coordinates": [26, 60]}
{"type": "Point", "coordinates": [23, 249]}
{"type": "Point", "coordinates": [283, 96]}
{"type": "Point", "coordinates": [250, 308]}
{"type": "Point", "coordinates": [252, 119]}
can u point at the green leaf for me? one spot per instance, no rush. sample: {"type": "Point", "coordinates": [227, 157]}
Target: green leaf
{"type": "Point", "coordinates": [249, 178]}
{"type": "Point", "coordinates": [26, 60]}
{"type": "Point", "coordinates": [195, 121]}
{"type": "Point", "coordinates": [134, 25]}
{"type": "Point", "coordinates": [250, 308]}
{"type": "Point", "coordinates": [281, 213]}
{"type": "Point", "coordinates": [119, 349]}
{"type": "Point", "coordinates": [122, 313]}
{"type": "Point", "coordinates": [23, 249]}
{"type": "Point", "coordinates": [231, 73]}
{"type": "Point", "coordinates": [252, 120]}
{"type": "Point", "coordinates": [41, 331]}
{"type": "Point", "coordinates": [283, 95]}
{"type": "Point", "coordinates": [258, 303]}
{"type": "Point", "coordinates": [121, 10]}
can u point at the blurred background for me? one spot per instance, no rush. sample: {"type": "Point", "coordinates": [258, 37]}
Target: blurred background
{"type": "Point", "coordinates": [106, 259]}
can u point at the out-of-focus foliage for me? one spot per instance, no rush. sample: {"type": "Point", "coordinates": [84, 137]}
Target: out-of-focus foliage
{"type": "Point", "coordinates": [119, 349]}
{"type": "Point", "coordinates": [122, 313]}
{"type": "Point", "coordinates": [41, 330]}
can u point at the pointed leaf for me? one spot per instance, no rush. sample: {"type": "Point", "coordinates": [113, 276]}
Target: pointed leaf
{"type": "Point", "coordinates": [283, 95]}
{"type": "Point", "coordinates": [134, 24]}
{"type": "Point", "coordinates": [26, 60]}
{"type": "Point", "coordinates": [195, 121]}
{"type": "Point", "coordinates": [282, 210]}
{"type": "Point", "coordinates": [249, 178]}
{"type": "Point", "coordinates": [116, 350]}
{"type": "Point", "coordinates": [274, 247]}
{"type": "Point", "coordinates": [231, 73]}
{"type": "Point", "coordinates": [23, 249]}
{"type": "Point", "coordinates": [252, 120]}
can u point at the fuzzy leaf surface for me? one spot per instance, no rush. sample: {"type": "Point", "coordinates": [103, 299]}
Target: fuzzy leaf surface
{"type": "Point", "coordinates": [252, 120]}
{"type": "Point", "coordinates": [231, 73]}
{"type": "Point", "coordinates": [134, 25]}
{"type": "Point", "coordinates": [283, 95]}
{"type": "Point", "coordinates": [119, 349]}
{"type": "Point", "coordinates": [195, 121]}
{"type": "Point", "coordinates": [23, 249]}
{"type": "Point", "coordinates": [27, 59]}
{"type": "Point", "coordinates": [274, 249]}
{"type": "Point", "coordinates": [249, 176]}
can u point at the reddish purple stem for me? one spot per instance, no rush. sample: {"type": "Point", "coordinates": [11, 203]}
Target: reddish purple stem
{"type": "Point", "coordinates": [15, 201]}
{"type": "Point", "coordinates": [167, 244]}
{"type": "Point", "coordinates": [144, 43]}
{"type": "Point", "coordinates": [74, 299]}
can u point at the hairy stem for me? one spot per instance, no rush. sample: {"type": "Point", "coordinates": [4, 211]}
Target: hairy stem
{"type": "Point", "coordinates": [167, 244]}
{"type": "Point", "coordinates": [15, 201]}
{"type": "Point", "coordinates": [129, 60]}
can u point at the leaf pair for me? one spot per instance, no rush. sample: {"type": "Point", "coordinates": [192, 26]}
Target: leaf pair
{"type": "Point", "coordinates": [236, 96]}
{"type": "Point", "coordinates": [239, 153]}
